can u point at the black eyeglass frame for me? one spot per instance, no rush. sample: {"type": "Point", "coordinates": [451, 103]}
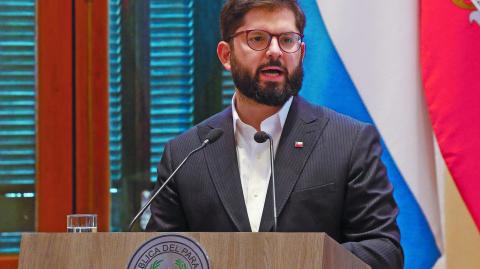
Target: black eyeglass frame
{"type": "Point", "coordinates": [246, 32]}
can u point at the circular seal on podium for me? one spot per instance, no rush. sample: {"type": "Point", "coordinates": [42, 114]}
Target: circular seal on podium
{"type": "Point", "coordinates": [172, 251]}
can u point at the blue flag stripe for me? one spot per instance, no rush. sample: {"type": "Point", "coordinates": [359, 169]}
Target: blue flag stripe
{"type": "Point", "coordinates": [328, 83]}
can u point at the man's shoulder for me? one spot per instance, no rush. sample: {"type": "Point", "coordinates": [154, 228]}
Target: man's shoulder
{"type": "Point", "coordinates": [342, 132]}
{"type": "Point", "coordinates": [194, 133]}
{"type": "Point", "coordinates": [335, 119]}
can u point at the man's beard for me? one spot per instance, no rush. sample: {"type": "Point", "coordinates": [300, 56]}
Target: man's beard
{"type": "Point", "coordinates": [271, 93]}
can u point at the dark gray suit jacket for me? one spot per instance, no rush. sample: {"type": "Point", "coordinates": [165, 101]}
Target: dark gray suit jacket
{"type": "Point", "coordinates": [335, 184]}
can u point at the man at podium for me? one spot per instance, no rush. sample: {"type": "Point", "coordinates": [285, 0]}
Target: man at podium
{"type": "Point", "coordinates": [328, 173]}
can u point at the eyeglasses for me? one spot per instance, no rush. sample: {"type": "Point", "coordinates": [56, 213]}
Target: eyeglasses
{"type": "Point", "coordinates": [259, 40]}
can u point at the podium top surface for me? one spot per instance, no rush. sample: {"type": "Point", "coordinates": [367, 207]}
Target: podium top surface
{"type": "Point", "coordinates": [225, 250]}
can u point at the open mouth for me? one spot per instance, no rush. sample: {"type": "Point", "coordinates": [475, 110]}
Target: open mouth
{"type": "Point", "coordinates": [272, 71]}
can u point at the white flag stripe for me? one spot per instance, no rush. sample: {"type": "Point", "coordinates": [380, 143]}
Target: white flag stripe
{"type": "Point", "coordinates": [378, 44]}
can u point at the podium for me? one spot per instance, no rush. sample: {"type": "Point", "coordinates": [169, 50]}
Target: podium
{"type": "Point", "coordinates": [225, 250]}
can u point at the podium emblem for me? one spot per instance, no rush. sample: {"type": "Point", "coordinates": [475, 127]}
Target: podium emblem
{"type": "Point", "coordinates": [172, 251]}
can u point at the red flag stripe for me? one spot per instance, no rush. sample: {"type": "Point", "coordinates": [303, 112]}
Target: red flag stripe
{"type": "Point", "coordinates": [450, 59]}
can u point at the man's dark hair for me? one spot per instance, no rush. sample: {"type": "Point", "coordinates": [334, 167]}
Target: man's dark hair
{"type": "Point", "coordinates": [233, 13]}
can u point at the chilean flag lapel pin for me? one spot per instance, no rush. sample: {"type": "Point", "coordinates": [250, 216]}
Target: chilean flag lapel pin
{"type": "Point", "coordinates": [298, 144]}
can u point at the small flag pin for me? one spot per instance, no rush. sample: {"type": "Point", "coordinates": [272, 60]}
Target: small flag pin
{"type": "Point", "coordinates": [298, 144]}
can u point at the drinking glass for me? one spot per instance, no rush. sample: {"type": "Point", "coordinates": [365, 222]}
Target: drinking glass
{"type": "Point", "coordinates": [82, 223]}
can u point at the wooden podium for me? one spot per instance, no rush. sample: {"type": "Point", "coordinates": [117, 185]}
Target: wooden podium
{"type": "Point", "coordinates": [225, 250]}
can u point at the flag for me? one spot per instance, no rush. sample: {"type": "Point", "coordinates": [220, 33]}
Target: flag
{"type": "Point", "coordinates": [362, 60]}
{"type": "Point", "coordinates": [450, 58]}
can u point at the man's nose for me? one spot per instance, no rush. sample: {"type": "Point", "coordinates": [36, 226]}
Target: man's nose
{"type": "Point", "coordinates": [273, 50]}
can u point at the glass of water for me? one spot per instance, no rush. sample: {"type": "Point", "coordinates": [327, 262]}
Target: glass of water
{"type": "Point", "coordinates": [82, 223]}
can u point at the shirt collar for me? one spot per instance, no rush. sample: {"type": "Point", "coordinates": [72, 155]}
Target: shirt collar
{"type": "Point", "coordinates": [281, 114]}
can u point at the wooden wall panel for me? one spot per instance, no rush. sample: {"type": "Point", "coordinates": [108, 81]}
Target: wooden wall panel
{"type": "Point", "coordinates": [72, 114]}
{"type": "Point", "coordinates": [92, 181]}
{"type": "Point", "coordinates": [55, 115]}
{"type": "Point", "coordinates": [54, 167]}
{"type": "Point", "coordinates": [8, 261]}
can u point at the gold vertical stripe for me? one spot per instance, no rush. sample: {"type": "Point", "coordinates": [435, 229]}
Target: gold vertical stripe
{"type": "Point", "coordinates": [462, 236]}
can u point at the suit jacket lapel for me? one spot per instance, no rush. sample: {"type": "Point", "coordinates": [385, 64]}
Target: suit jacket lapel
{"type": "Point", "coordinates": [222, 164]}
{"type": "Point", "coordinates": [302, 125]}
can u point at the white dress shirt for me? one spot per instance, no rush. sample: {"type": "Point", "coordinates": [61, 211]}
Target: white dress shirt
{"type": "Point", "coordinates": [254, 159]}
